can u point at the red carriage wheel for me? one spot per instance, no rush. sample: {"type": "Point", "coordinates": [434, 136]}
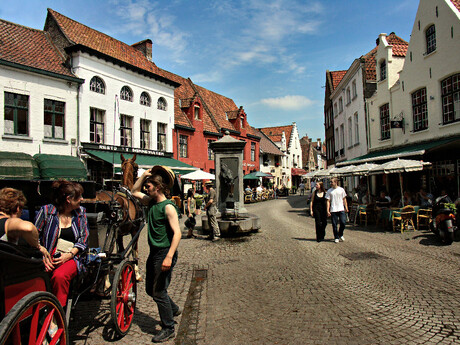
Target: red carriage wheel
{"type": "Point", "coordinates": [123, 302]}
{"type": "Point", "coordinates": [29, 321]}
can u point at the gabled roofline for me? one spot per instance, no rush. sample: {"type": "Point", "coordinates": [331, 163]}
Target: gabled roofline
{"type": "Point", "coordinates": [346, 78]}
{"type": "Point", "coordinates": [91, 51]}
{"type": "Point", "coordinates": [41, 71]}
{"type": "Point", "coordinates": [211, 116]}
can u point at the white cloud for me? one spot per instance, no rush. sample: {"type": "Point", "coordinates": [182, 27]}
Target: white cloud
{"type": "Point", "coordinates": [290, 102]}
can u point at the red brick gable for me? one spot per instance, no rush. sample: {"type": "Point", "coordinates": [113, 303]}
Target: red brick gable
{"type": "Point", "coordinates": [337, 77]}
{"type": "Point", "coordinates": [78, 33]}
{"type": "Point", "coordinates": [275, 133]}
{"type": "Point", "coordinates": [30, 47]}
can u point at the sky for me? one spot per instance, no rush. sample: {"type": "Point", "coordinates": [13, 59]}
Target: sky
{"type": "Point", "coordinates": [269, 56]}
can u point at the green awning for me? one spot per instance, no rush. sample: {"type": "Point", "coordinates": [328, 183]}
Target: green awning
{"type": "Point", "coordinates": [144, 161]}
{"type": "Point", "coordinates": [53, 167]}
{"type": "Point", "coordinates": [399, 152]}
{"type": "Point", "coordinates": [18, 166]}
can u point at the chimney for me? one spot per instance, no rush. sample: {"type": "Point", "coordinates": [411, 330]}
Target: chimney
{"type": "Point", "coordinates": [145, 47]}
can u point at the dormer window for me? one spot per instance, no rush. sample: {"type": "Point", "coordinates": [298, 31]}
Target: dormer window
{"type": "Point", "coordinates": [196, 112]}
{"type": "Point", "coordinates": [161, 104]}
{"type": "Point", "coordinates": [126, 94]}
{"type": "Point", "coordinates": [383, 70]}
{"type": "Point", "coordinates": [242, 122]}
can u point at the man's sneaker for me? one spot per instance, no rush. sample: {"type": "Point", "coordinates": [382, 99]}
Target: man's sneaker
{"type": "Point", "coordinates": [178, 312]}
{"type": "Point", "coordinates": [342, 238]}
{"type": "Point", "coordinates": [163, 335]}
{"type": "Point", "coordinates": [336, 240]}
{"type": "Point", "coordinates": [215, 239]}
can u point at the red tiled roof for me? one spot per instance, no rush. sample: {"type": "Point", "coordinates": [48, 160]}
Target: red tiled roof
{"type": "Point", "coordinates": [456, 3]}
{"type": "Point", "coordinates": [399, 45]}
{"type": "Point", "coordinates": [275, 133]}
{"type": "Point", "coordinates": [370, 64]}
{"type": "Point", "coordinates": [30, 47]}
{"type": "Point", "coordinates": [81, 34]}
{"type": "Point", "coordinates": [267, 146]}
{"type": "Point", "coordinates": [337, 77]}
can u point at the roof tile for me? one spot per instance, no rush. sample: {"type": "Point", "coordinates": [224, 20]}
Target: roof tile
{"type": "Point", "coordinates": [275, 133]}
{"type": "Point", "coordinates": [30, 47]}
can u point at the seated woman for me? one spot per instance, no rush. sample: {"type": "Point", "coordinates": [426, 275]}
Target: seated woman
{"type": "Point", "coordinates": [63, 231]}
{"type": "Point", "coordinates": [12, 227]}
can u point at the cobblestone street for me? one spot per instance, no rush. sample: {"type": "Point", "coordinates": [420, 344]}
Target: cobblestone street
{"type": "Point", "coordinates": [279, 286]}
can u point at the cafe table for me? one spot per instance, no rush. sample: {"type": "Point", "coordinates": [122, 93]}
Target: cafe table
{"type": "Point", "coordinates": [386, 214]}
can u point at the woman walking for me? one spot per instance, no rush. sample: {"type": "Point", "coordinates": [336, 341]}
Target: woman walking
{"type": "Point", "coordinates": [318, 209]}
{"type": "Point", "coordinates": [164, 235]}
{"type": "Point", "coordinates": [191, 209]}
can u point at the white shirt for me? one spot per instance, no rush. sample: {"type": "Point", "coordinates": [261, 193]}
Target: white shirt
{"type": "Point", "coordinates": [335, 196]}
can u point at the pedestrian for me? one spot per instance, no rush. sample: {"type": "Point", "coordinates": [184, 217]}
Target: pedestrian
{"type": "Point", "coordinates": [63, 232]}
{"type": "Point", "coordinates": [318, 209]}
{"type": "Point", "coordinates": [164, 235]}
{"type": "Point", "coordinates": [302, 188]}
{"type": "Point", "coordinates": [337, 208]}
{"type": "Point", "coordinates": [191, 212]}
{"type": "Point", "coordinates": [312, 185]}
{"type": "Point", "coordinates": [211, 211]}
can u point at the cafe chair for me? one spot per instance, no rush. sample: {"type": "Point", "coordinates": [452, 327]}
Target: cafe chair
{"type": "Point", "coordinates": [403, 218]}
{"type": "Point", "coordinates": [368, 214]}
{"type": "Point", "coordinates": [247, 198]}
{"type": "Point", "coordinates": [424, 216]}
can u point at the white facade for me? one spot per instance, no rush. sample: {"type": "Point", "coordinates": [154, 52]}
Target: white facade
{"type": "Point", "coordinates": [294, 149]}
{"type": "Point", "coordinates": [112, 106]}
{"type": "Point", "coordinates": [422, 73]}
{"type": "Point", "coordinates": [349, 114]}
{"type": "Point", "coordinates": [37, 88]}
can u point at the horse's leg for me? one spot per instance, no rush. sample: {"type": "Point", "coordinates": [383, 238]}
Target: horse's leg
{"type": "Point", "coordinates": [136, 258]}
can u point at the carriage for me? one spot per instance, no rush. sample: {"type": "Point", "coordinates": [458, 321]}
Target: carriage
{"type": "Point", "coordinates": [27, 307]}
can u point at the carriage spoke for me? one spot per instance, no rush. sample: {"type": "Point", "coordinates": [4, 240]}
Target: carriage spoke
{"type": "Point", "coordinates": [57, 337]}
{"type": "Point", "coordinates": [34, 324]}
{"type": "Point", "coordinates": [121, 312]}
{"type": "Point", "coordinates": [45, 326]}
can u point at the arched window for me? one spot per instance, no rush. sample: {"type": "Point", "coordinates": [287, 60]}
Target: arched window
{"type": "Point", "coordinates": [97, 85]}
{"type": "Point", "coordinates": [145, 99]}
{"type": "Point", "coordinates": [430, 39]}
{"type": "Point", "coordinates": [383, 70]}
{"type": "Point", "coordinates": [126, 94]}
{"type": "Point", "coordinates": [161, 104]}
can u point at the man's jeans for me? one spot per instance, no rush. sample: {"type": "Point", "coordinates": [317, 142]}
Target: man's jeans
{"type": "Point", "coordinates": [337, 217]}
{"type": "Point", "coordinates": [157, 282]}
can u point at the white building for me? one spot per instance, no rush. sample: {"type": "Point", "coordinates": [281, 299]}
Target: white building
{"type": "Point", "coordinates": [39, 94]}
{"type": "Point", "coordinates": [125, 104]}
{"type": "Point", "coordinates": [415, 112]}
{"type": "Point", "coordinates": [288, 141]}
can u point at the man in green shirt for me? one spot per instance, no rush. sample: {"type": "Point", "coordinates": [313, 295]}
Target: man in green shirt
{"type": "Point", "coordinates": [163, 236]}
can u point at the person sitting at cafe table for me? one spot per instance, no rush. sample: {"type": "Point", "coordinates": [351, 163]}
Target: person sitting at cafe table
{"type": "Point", "coordinates": [407, 198]}
{"type": "Point", "coordinates": [424, 199]}
{"type": "Point", "coordinates": [383, 200]}
{"type": "Point", "coordinates": [368, 198]}
{"type": "Point", "coordinates": [444, 197]}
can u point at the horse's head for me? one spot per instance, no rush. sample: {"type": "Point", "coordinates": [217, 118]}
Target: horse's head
{"type": "Point", "coordinates": [129, 168]}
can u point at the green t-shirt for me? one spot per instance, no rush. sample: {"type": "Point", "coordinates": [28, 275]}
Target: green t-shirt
{"type": "Point", "coordinates": [160, 232]}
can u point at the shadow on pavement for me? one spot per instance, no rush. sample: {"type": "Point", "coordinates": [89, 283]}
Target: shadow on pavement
{"type": "Point", "coordinates": [310, 239]}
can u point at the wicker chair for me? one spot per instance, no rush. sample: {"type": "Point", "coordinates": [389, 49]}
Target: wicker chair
{"type": "Point", "coordinates": [404, 218]}
{"type": "Point", "coordinates": [369, 214]}
{"type": "Point", "coordinates": [424, 216]}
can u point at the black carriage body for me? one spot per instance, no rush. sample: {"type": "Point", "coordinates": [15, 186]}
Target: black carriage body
{"type": "Point", "coordinates": [21, 272]}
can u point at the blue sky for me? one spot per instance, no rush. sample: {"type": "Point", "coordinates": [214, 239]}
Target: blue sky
{"type": "Point", "coordinates": [269, 56]}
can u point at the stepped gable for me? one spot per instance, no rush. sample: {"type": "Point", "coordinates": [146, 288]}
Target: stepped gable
{"type": "Point", "coordinates": [78, 33]}
{"type": "Point", "coordinates": [337, 77]}
{"type": "Point", "coordinates": [276, 133]}
{"type": "Point", "coordinates": [30, 47]}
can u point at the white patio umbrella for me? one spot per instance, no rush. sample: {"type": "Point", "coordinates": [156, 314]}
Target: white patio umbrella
{"type": "Point", "coordinates": [343, 171]}
{"type": "Point", "coordinates": [363, 169]}
{"type": "Point", "coordinates": [323, 172]}
{"type": "Point", "coordinates": [399, 166]}
{"type": "Point", "coordinates": [198, 175]}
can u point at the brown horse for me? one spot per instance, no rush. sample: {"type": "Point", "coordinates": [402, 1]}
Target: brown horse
{"type": "Point", "coordinates": [132, 213]}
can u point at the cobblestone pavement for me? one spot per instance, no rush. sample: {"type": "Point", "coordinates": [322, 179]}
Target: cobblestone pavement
{"type": "Point", "coordinates": [279, 286]}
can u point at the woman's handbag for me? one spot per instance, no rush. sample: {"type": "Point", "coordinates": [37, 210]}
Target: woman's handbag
{"type": "Point", "coordinates": [64, 246]}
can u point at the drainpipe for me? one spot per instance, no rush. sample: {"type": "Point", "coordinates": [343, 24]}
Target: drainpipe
{"type": "Point", "coordinates": [78, 119]}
